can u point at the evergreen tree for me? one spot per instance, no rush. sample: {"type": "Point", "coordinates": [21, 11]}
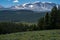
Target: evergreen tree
{"type": "Point", "coordinates": [41, 23]}
{"type": "Point", "coordinates": [53, 16]}
{"type": "Point", "coordinates": [58, 19]}
{"type": "Point", "coordinates": [46, 19]}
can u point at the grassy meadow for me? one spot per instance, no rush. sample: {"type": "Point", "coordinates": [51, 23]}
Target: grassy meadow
{"type": "Point", "coordinates": [33, 35]}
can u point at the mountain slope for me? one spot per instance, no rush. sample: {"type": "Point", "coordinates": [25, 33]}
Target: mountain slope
{"type": "Point", "coordinates": [36, 6]}
{"type": "Point", "coordinates": [1, 6]}
{"type": "Point", "coordinates": [28, 12]}
{"type": "Point", "coordinates": [20, 15]}
{"type": "Point", "coordinates": [33, 35]}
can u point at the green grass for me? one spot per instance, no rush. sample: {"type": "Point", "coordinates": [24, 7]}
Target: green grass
{"type": "Point", "coordinates": [33, 35]}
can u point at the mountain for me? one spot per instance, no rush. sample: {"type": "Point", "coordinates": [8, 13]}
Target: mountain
{"type": "Point", "coordinates": [36, 6]}
{"type": "Point", "coordinates": [1, 7]}
{"type": "Point", "coordinates": [20, 15]}
{"type": "Point", "coordinates": [28, 12]}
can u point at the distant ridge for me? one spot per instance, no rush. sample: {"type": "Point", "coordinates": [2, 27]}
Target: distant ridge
{"type": "Point", "coordinates": [35, 6]}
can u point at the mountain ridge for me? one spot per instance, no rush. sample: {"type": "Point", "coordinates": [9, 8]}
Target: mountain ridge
{"type": "Point", "coordinates": [35, 6]}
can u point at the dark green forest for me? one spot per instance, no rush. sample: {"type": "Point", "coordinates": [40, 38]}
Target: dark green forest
{"type": "Point", "coordinates": [20, 16]}
{"type": "Point", "coordinates": [49, 21]}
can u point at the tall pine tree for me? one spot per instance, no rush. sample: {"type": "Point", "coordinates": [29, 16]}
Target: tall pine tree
{"type": "Point", "coordinates": [53, 16]}
{"type": "Point", "coordinates": [41, 23]}
{"type": "Point", "coordinates": [46, 20]}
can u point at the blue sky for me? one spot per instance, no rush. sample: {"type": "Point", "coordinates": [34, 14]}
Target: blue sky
{"type": "Point", "coordinates": [8, 3]}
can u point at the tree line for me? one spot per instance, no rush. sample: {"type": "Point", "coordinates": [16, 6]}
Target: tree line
{"type": "Point", "coordinates": [49, 21]}
{"type": "Point", "coordinates": [12, 27]}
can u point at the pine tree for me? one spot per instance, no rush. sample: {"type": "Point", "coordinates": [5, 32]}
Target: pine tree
{"type": "Point", "coordinates": [53, 16]}
{"type": "Point", "coordinates": [46, 19]}
{"type": "Point", "coordinates": [58, 19]}
{"type": "Point", "coordinates": [41, 23]}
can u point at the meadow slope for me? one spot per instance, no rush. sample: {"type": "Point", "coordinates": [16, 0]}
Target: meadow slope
{"type": "Point", "coordinates": [33, 35]}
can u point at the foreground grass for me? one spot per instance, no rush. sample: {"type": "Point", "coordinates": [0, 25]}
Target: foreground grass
{"type": "Point", "coordinates": [34, 35]}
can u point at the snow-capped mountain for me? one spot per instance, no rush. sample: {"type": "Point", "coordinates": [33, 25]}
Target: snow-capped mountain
{"type": "Point", "coordinates": [36, 6]}
{"type": "Point", "coordinates": [17, 7]}
{"type": "Point", "coordinates": [1, 7]}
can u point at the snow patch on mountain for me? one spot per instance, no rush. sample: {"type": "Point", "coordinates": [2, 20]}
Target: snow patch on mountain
{"type": "Point", "coordinates": [36, 6]}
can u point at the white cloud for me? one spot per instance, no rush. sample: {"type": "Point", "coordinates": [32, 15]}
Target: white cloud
{"type": "Point", "coordinates": [16, 1]}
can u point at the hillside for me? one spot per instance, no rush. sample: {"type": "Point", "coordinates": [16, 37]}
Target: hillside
{"type": "Point", "coordinates": [20, 15]}
{"type": "Point", "coordinates": [33, 35]}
